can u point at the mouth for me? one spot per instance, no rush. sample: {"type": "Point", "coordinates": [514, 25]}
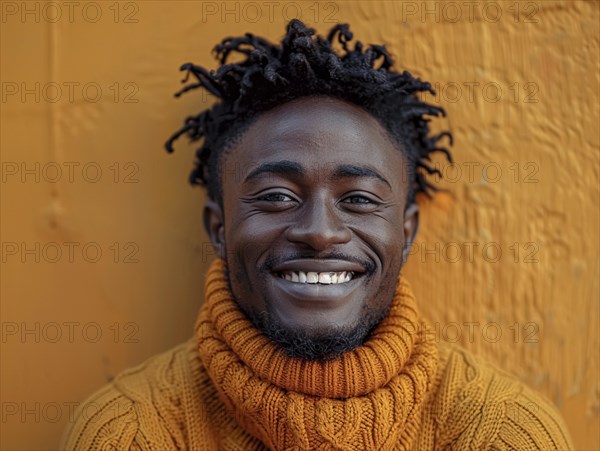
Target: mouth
{"type": "Point", "coordinates": [319, 272]}
{"type": "Point", "coordinates": [306, 286]}
{"type": "Point", "coordinates": [314, 277]}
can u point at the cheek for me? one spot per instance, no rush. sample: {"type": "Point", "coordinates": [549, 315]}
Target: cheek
{"type": "Point", "coordinates": [385, 237]}
{"type": "Point", "coordinates": [252, 238]}
{"type": "Point", "coordinates": [251, 241]}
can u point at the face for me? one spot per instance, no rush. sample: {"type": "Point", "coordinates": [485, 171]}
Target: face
{"type": "Point", "coordinates": [314, 224]}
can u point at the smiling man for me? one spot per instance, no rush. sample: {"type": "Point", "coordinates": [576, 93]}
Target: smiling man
{"type": "Point", "coordinates": [309, 337]}
{"type": "Point", "coordinates": [313, 234]}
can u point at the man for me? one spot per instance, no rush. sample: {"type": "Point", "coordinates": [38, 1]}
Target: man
{"type": "Point", "coordinates": [309, 337]}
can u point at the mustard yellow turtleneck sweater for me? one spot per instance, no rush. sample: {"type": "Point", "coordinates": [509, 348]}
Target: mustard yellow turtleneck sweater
{"type": "Point", "coordinates": [230, 388]}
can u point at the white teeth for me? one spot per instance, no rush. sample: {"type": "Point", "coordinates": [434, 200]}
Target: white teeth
{"type": "Point", "coordinates": [311, 277]}
{"type": "Point", "coordinates": [324, 277]}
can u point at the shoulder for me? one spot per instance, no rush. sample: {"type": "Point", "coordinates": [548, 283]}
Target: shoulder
{"type": "Point", "coordinates": [141, 408]}
{"type": "Point", "coordinates": [483, 407]}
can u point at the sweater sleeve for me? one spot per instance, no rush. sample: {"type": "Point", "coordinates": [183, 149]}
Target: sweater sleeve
{"type": "Point", "coordinates": [105, 421]}
{"type": "Point", "coordinates": [145, 408]}
{"type": "Point", "coordinates": [480, 407]}
{"type": "Point", "coordinates": [531, 422]}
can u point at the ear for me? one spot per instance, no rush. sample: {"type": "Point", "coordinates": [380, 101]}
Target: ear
{"type": "Point", "coordinates": [215, 229]}
{"type": "Point", "coordinates": [411, 226]}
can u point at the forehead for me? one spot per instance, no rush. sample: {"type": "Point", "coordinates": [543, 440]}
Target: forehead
{"type": "Point", "coordinates": [318, 133]}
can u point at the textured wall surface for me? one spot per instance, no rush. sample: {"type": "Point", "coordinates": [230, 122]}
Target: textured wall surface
{"type": "Point", "coordinates": [103, 252]}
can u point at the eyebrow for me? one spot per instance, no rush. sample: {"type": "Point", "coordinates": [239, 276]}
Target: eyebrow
{"type": "Point", "coordinates": [283, 167]}
{"type": "Point", "coordinates": [291, 168]}
{"type": "Point", "coordinates": [354, 171]}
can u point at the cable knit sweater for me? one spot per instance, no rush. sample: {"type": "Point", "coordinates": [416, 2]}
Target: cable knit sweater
{"type": "Point", "coordinates": [230, 388]}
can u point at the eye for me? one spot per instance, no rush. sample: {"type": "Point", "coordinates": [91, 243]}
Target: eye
{"type": "Point", "coordinates": [274, 201]}
{"type": "Point", "coordinates": [275, 197]}
{"type": "Point", "coordinates": [360, 203]}
{"type": "Point", "coordinates": [358, 200]}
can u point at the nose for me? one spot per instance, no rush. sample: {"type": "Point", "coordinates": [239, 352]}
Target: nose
{"type": "Point", "coordinates": [319, 226]}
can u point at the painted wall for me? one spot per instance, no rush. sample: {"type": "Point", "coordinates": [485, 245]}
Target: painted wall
{"type": "Point", "coordinates": [103, 252]}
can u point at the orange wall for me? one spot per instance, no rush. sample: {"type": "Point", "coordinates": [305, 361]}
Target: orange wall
{"type": "Point", "coordinates": [92, 89]}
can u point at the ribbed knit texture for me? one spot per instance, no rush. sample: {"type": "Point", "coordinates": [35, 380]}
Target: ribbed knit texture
{"type": "Point", "coordinates": [369, 398]}
{"type": "Point", "coordinates": [230, 388]}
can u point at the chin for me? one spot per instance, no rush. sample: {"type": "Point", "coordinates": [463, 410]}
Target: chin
{"type": "Point", "coordinates": [319, 343]}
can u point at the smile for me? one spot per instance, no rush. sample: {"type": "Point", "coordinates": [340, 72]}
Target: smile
{"type": "Point", "coordinates": [314, 277]}
{"type": "Point", "coordinates": [328, 282]}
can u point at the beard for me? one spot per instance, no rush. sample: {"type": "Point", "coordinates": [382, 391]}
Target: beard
{"type": "Point", "coordinates": [323, 345]}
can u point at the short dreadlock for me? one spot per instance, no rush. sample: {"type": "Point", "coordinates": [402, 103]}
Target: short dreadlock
{"type": "Point", "coordinates": [270, 75]}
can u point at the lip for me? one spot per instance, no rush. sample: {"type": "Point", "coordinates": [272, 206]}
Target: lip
{"type": "Point", "coordinates": [320, 265]}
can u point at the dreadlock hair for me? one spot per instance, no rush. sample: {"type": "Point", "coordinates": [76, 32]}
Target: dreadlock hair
{"type": "Point", "coordinates": [270, 75]}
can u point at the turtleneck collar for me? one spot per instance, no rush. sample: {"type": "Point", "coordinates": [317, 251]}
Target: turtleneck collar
{"type": "Point", "coordinates": [385, 380]}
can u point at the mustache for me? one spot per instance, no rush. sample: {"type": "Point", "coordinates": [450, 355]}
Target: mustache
{"type": "Point", "coordinates": [275, 260]}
